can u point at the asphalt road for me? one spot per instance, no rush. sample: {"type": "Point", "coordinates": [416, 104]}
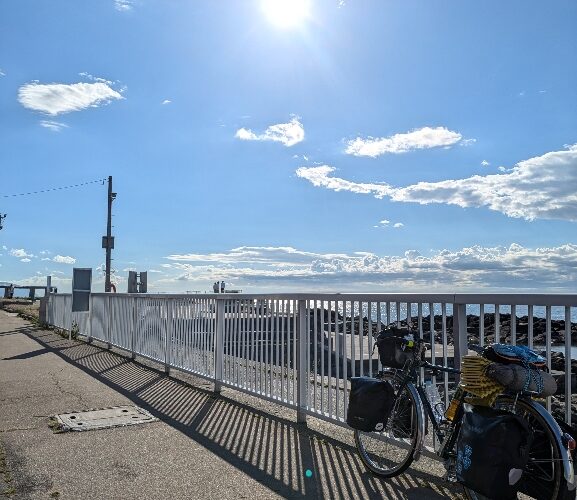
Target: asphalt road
{"type": "Point", "coordinates": [203, 446]}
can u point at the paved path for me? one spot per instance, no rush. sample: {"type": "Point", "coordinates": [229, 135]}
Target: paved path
{"type": "Point", "coordinates": [203, 446]}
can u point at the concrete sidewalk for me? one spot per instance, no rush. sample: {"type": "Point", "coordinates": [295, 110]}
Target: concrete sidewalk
{"type": "Point", "coordinates": [203, 446]}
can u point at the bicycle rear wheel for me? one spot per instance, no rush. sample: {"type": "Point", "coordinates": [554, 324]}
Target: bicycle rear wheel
{"type": "Point", "coordinates": [390, 452]}
{"type": "Point", "coordinates": [543, 476]}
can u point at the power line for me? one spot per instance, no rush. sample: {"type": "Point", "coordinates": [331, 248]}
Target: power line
{"type": "Point", "coordinates": [53, 189]}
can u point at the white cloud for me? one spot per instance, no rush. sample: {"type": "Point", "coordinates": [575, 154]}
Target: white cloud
{"type": "Point", "coordinates": [544, 187]}
{"type": "Point", "coordinates": [63, 259]}
{"type": "Point", "coordinates": [53, 125]}
{"type": "Point", "coordinates": [320, 177]}
{"type": "Point", "coordinates": [423, 138]}
{"type": "Point", "coordinates": [288, 134]}
{"type": "Point", "coordinates": [467, 142]}
{"type": "Point", "coordinates": [20, 253]}
{"type": "Point", "coordinates": [384, 222]}
{"type": "Point", "coordinates": [485, 163]}
{"type": "Point", "coordinates": [166, 101]}
{"type": "Point", "coordinates": [2, 72]}
{"type": "Point", "coordinates": [93, 78]}
{"type": "Point", "coordinates": [476, 267]}
{"type": "Point", "coordinates": [123, 5]}
{"type": "Point", "coordinates": [4, 247]}
{"type": "Point", "coordinates": [398, 225]}
{"type": "Point", "coordinates": [56, 98]}
{"type": "Point", "coordinates": [25, 260]}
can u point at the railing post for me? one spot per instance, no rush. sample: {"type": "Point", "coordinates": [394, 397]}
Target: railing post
{"type": "Point", "coordinates": [460, 341]}
{"type": "Point", "coordinates": [108, 322]}
{"type": "Point", "coordinates": [168, 336]}
{"type": "Point", "coordinates": [219, 345]}
{"type": "Point", "coordinates": [89, 320]}
{"type": "Point", "coordinates": [301, 364]}
{"type": "Point", "coordinates": [133, 330]}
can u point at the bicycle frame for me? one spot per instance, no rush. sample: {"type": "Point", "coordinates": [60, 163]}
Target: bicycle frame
{"type": "Point", "coordinates": [410, 380]}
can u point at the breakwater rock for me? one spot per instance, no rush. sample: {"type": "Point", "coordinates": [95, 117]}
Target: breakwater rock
{"type": "Point", "coordinates": [331, 320]}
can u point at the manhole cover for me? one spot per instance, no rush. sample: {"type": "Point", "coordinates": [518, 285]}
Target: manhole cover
{"type": "Point", "coordinates": [116, 416]}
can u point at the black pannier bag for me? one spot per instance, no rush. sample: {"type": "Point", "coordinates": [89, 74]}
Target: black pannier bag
{"type": "Point", "coordinates": [370, 403]}
{"type": "Point", "coordinates": [394, 349]}
{"type": "Point", "coordinates": [492, 451]}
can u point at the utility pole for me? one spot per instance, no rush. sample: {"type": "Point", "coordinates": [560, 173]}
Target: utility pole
{"type": "Point", "coordinates": [108, 240]}
{"type": "Point", "coordinates": [2, 217]}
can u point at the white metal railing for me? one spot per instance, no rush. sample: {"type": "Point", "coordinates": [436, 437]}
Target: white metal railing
{"type": "Point", "coordinates": [300, 350]}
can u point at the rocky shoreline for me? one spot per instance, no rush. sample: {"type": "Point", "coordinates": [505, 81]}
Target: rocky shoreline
{"type": "Point", "coordinates": [473, 328]}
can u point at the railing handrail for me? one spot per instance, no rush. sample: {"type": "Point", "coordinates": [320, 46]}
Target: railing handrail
{"type": "Point", "coordinates": [504, 299]}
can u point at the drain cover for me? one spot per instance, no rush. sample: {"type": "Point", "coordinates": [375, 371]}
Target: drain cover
{"type": "Point", "coordinates": [116, 416]}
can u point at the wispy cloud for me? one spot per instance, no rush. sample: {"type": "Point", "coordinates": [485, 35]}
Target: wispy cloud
{"type": "Point", "coordinates": [123, 5]}
{"type": "Point", "coordinates": [321, 177]}
{"type": "Point", "coordinates": [53, 125]}
{"type": "Point", "coordinates": [544, 187]}
{"type": "Point", "coordinates": [2, 72]}
{"type": "Point", "coordinates": [385, 223]}
{"type": "Point", "coordinates": [26, 259]}
{"type": "Point", "coordinates": [56, 98]}
{"type": "Point", "coordinates": [422, 138]}
{"type": "Point", "coordinates": [473, 267]}
{"type": "Point", "coordinates": [166, 101]}
{"type": "Point", "coordinates": [20, 253]}
{"type": "Point", "coordinates": [485, 163]}
{"type": "Point", "coordinates": [63, 259]}
{"type": "Point", "coordinates": [288, 134]}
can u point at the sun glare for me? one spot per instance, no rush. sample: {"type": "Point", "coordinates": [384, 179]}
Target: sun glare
{"type": "Point", "coordinates": [286, 13]}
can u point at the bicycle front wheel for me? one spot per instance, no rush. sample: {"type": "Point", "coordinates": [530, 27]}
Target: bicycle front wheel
{"type": "Point", "coordinates": [542, 477]}
{"type": "Point", "coordinates": [390, 452]}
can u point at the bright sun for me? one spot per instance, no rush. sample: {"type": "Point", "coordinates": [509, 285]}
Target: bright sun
{"type": "Point", "coordinates": [286, 13]}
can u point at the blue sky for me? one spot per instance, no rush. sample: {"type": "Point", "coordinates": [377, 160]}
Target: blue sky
{"type": "Point", "coordinates": [366, 146]}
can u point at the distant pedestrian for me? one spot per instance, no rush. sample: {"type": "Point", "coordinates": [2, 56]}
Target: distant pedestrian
{"type": "Point", "coordinates": [222, 287]}
{"type": "Point", "coordinates": [215, 287]}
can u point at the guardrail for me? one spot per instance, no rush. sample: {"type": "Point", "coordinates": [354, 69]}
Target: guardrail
{"type": "Point", "coordinates": [300, 350]}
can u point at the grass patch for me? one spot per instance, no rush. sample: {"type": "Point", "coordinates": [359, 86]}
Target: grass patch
{"type": "Point", "coordinates": [5, 474]}
{"type": "Point", "coordinates": [55, 425]}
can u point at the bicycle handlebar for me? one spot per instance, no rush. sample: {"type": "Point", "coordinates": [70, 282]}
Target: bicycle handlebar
{"type": "Point", "coordinates": [439, 368]}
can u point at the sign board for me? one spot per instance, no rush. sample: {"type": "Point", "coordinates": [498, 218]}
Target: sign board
{"type": "Point", "coordinates": [137, 282]}
{"type": "Point", "coordinates": [132, 282]}
{"type": "Point", "coordinates": [81, 285]}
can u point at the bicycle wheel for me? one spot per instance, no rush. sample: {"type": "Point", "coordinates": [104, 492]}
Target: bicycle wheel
{"type": "Point", "coordinates": [389, 452]}
{"type": "Point", "coordinates": [542, 477]}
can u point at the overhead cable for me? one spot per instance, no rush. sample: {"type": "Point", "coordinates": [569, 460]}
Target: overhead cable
{"type": "Point", "coordinates": [53, 189]}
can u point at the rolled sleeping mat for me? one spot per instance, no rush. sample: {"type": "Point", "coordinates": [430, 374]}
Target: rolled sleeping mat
{"type": "Point", "coordinates": [514, 378]}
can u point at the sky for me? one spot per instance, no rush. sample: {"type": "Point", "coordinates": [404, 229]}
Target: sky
{"type": "Point", "coordinates": [291, 145]}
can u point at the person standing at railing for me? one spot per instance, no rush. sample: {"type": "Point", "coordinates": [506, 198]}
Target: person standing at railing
{"type": "Point", "coordinates": [222, 287]}
{"type": "Point", "coordinates": [215, 287]}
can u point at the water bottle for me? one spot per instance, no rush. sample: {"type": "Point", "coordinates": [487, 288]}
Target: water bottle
{"type": "Point", "coordinates": [435, 400]}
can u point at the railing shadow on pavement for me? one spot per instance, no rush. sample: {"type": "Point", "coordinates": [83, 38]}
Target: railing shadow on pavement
{"type": "Point", "coordinates": [272, 449]}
